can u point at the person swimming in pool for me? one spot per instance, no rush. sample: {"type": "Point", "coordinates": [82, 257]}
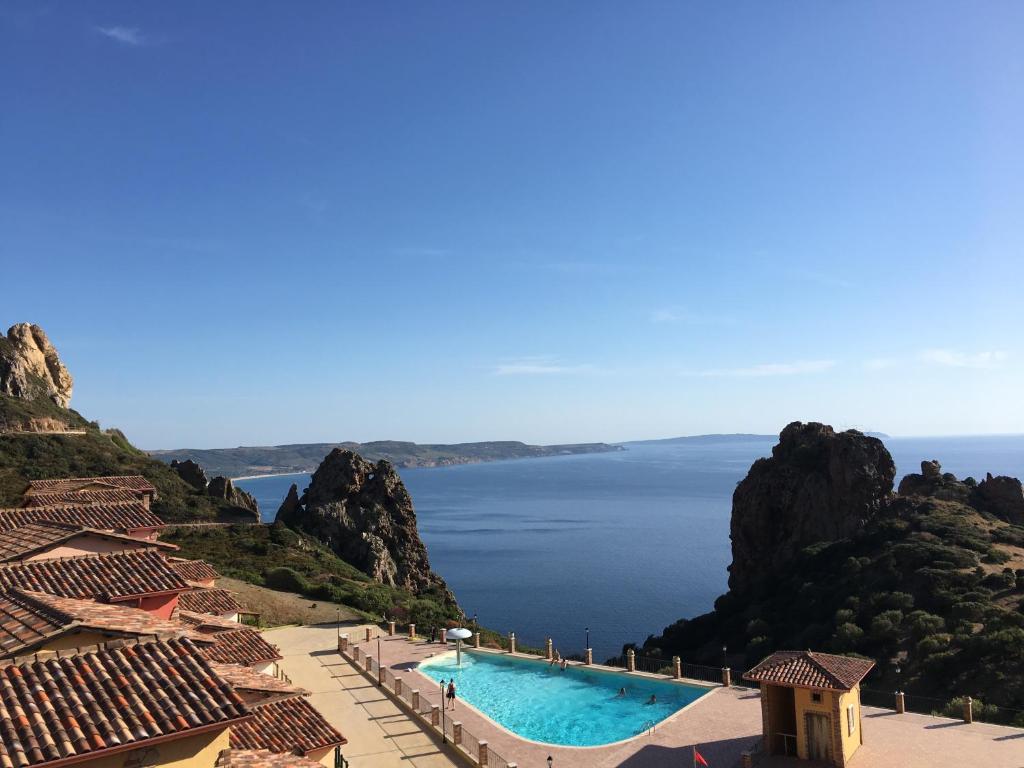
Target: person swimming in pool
{"type": "Point", "coordinates": [621, 694]}
{"type": "Point", "coordinates": [451, 693]}
{"type": "Point", "coordinates": [563, 665]}
{"type": "Point", "coordinates": [653, 699]}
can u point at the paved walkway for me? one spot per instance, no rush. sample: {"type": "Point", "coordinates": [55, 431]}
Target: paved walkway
{"type": "Point", "coordinates": [379, 733]}
{"type": "Point", "coordinates": [722, 723]}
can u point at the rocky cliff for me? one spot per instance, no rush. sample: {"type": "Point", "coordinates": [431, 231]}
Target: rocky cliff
{"type": "Point", "coordinates": [818, 485]}
{"type": "Point", "coordinates": [30, 367]}
{"type": "Point", "coordinates": [363, 512]}
{"type": "Point", "coordinates": [223, 489]}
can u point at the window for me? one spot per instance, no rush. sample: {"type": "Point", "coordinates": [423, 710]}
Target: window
{"type": "Point", "coordinates": [851, 721]}
{"type": "Point", "coordinates": [816, 698]}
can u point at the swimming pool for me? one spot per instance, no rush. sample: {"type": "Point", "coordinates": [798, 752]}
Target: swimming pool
{"type": "Point", "coordinates": [577, 708]}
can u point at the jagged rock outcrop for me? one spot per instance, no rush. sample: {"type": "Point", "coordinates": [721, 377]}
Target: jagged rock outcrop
{"type": "Point", "coordinates": [30, 367]}
{"type": "Point", "coordinates": [935, 483]}
{"type": "Point", "coordinates": [818, 485]}
{"type": "Point", "coordinates": [223, 488]}
{"type": "Point", "coordinates": [364, 513]}
{"type": "Point", "coordinates": [191, 473]}
{"type": "Point", "coordinates": [1002, 496]}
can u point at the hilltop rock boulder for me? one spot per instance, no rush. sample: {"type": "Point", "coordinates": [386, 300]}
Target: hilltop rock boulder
{"type": "Point", "coordinates": [1002, 496]}
{"type": "Point", "coordinates": [30, 367]}
{"type": "Point", "coordinates": [363, 512]}
{"type": "Point", "coordinates": [191, 473]}
{"type": "Point", "coordinates": [222, 488]}
{"type": "Point", "coordinates": [818, 485]}
{"type": "Point", "coordinates": [936, 484]}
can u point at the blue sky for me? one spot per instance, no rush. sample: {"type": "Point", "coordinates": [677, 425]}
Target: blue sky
{"type": "Point", "coordinates": [549, 221]}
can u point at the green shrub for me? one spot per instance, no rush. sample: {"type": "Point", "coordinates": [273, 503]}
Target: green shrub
{"type": "Point", "coordinates": [286, 580]}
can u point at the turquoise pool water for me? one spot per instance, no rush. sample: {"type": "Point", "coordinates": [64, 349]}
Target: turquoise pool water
{"type": "Point", "coordinates": [576, 708]}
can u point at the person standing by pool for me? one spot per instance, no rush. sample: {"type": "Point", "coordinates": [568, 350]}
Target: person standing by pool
{"type": "Point", "coordinates": [451, 692]}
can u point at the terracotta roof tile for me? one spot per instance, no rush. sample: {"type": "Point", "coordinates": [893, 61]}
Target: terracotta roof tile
{"type": "Point", "coordinates": [89, 703]}
{"type": "Point", "coordinates": [108, 578]}
{"type": "Point", "coordinates": [206, 623]}
{"type": "Point", "coordinates": [213, 601]}
{"type": "Point", "coordinates": [34, 538]}
{"type": "Point", "coordinates": [262, 758]}
{"type": "Point", "coordinates": [290, 725]}
{"type": "Point", "coordinates": [193, 570]}
{"type": "Point", "coordinates": [243, 678]}
{"type": "Point", "coordinates": [29, 619]}
{"type": "Point", "coordinates": [808, 669]}
{"type": "Point", "coordinates": [113, 496]}
{"type": "Point", "coordinates": [240, 646]}
{"type": "Point", "coordinates": [107, 517]}
{"type": "Point", "coordinates": [106, 482]}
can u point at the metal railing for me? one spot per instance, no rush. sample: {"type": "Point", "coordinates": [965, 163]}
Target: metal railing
{"type": "Point", "coordinates": [954, 707]}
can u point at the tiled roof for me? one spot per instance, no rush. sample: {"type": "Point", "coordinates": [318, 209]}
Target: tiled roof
{"type": "Point", "coordinates": [19, 543]}
{"type": "Point", "coordinates": [808, 669]}
{"type": "Point", "coordinates": [113, 482]}
{"type": "Point", "coordinates": [262, 758]}
{"type": "Point", "coordinates": [100, 577]}
{"type": "Point", "coordinates": [112, 496]}
{"type": "Point", "coordinates": [243, 678]}
{"type": "Point", "coordinates": [212, 601]}
{"type": "Point", "coordinates": [193, 570]}
{"type": "Point", "coordinates": [29, 619]}
{"type": "Point", "coordinates": [205, 622]}
{"type": "Point", "coordinates": [86, 704]}
{"type": "Point", "coordinates": [289, 725]}
{"type": "Point", "coordinates": [240, 646]}
{"type": "Point", "coordinates": [107, 517]}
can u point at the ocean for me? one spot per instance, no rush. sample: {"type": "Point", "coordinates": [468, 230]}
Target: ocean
{"type": "Point", "coordinates": [623, 543]}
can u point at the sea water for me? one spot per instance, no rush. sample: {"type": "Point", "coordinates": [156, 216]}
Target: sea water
{"type": "Point", "coordinates": [621, 543]}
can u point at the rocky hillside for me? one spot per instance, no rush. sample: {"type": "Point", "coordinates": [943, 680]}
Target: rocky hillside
{"type": "Point", "coordinates": [826, 556]}
{"type": "Point", "coordinates": [41, 437]}
{"type": "Point", "coordinates": [363, 512]}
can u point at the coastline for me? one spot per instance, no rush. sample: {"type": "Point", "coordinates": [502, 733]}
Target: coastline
{"type": "Point", "coordinates": [272, 474]}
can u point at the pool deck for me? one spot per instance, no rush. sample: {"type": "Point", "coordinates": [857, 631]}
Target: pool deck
{"type": "Point", "coordinates": [722, 725]}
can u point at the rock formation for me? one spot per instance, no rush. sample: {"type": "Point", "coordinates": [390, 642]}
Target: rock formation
{"type": "Point", "coordinates": [364, 513]}
{"type": "Point", "coordinates": [935, 483]}
{"type": "Point", "coordinates": [818, 485]}
{"type": "Point", "coordinates": [191, 473]}
{"type": "Point", "coordinates": [1002, 496]}
{"type": "Point", "coordinates": [30, 367]}
{"type": "Point", "coordinates": [223, 488]}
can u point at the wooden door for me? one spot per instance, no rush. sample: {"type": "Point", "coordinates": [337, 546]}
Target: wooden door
{"type": "Point", "coordinates": [818, 740]}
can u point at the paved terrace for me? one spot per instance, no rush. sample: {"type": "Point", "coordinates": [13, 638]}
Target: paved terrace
{"type": "Point", "coordinates": [722, 724]}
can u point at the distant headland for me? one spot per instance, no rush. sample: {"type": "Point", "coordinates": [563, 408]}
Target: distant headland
{"type": "Point", "coordinates": [255, 461]}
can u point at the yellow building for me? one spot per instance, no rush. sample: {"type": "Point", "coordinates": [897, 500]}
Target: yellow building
{"type": "Point", "coordinates": [810, 704]}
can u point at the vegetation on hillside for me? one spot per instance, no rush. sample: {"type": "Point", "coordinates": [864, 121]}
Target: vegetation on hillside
{"type": "Point", "coordinates": [278, 557]}
{"type": "Point", "coordinates": [933, 587]}
{"type": "Point", "coordinates": [26, 456]}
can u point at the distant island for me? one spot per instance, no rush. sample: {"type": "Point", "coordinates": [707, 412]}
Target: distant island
{"type": "Point", "coordinates": [250, 461]}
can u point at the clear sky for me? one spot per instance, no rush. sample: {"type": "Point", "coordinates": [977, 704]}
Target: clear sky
{"type": "Point", "coordinates": [255, 223]}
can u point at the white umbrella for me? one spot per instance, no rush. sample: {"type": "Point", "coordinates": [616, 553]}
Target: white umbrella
{"type": "Point", "coordinates": [458, 635]}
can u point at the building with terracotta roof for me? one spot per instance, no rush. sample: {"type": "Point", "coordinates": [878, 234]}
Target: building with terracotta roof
{"type": "Point", "coordinates": [148, 704]}
{"type": "Point", "coordinates": [36, 623]}
{"type": "Point", "coordinates": [810, 704]}
{"type": "Point", "coordinates": [137, 579]}
{"type": "Point", "coordinates": [287, 726]}
{"type": "Point", "coordinates": [216, 602]}
{"type": "Point", "coordinates": [49, 539]}
{"type": "Point", "coordinates": [198, 573]}
{"type": "Point", "coordinates": [136, 484]}
{"type": "Point", "coordinates": [243, 646]}
{"type": "Point", "coordinates": [204, 622]}
{"type": "Point", "coordinates": [261, 758]}
{"type": "Point", "coordinates": [132, 518]}
{"type": "Point", "coordinates": [256, 687]}
{"type": "Point", "coordinates": [78, 498]}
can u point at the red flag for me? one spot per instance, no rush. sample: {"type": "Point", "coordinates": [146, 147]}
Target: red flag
{"type": "Point", "coordinates": [698, 758]}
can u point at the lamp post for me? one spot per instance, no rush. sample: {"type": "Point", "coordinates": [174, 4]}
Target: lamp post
{"type": "Point", "coordinates": [444, 735]}
{"type": "Point", "coordinates": [725, 651]}
{"type": "Point", "coordinates": [587, 630]}
{"type": "Point", "coordinates": [899, 681]}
